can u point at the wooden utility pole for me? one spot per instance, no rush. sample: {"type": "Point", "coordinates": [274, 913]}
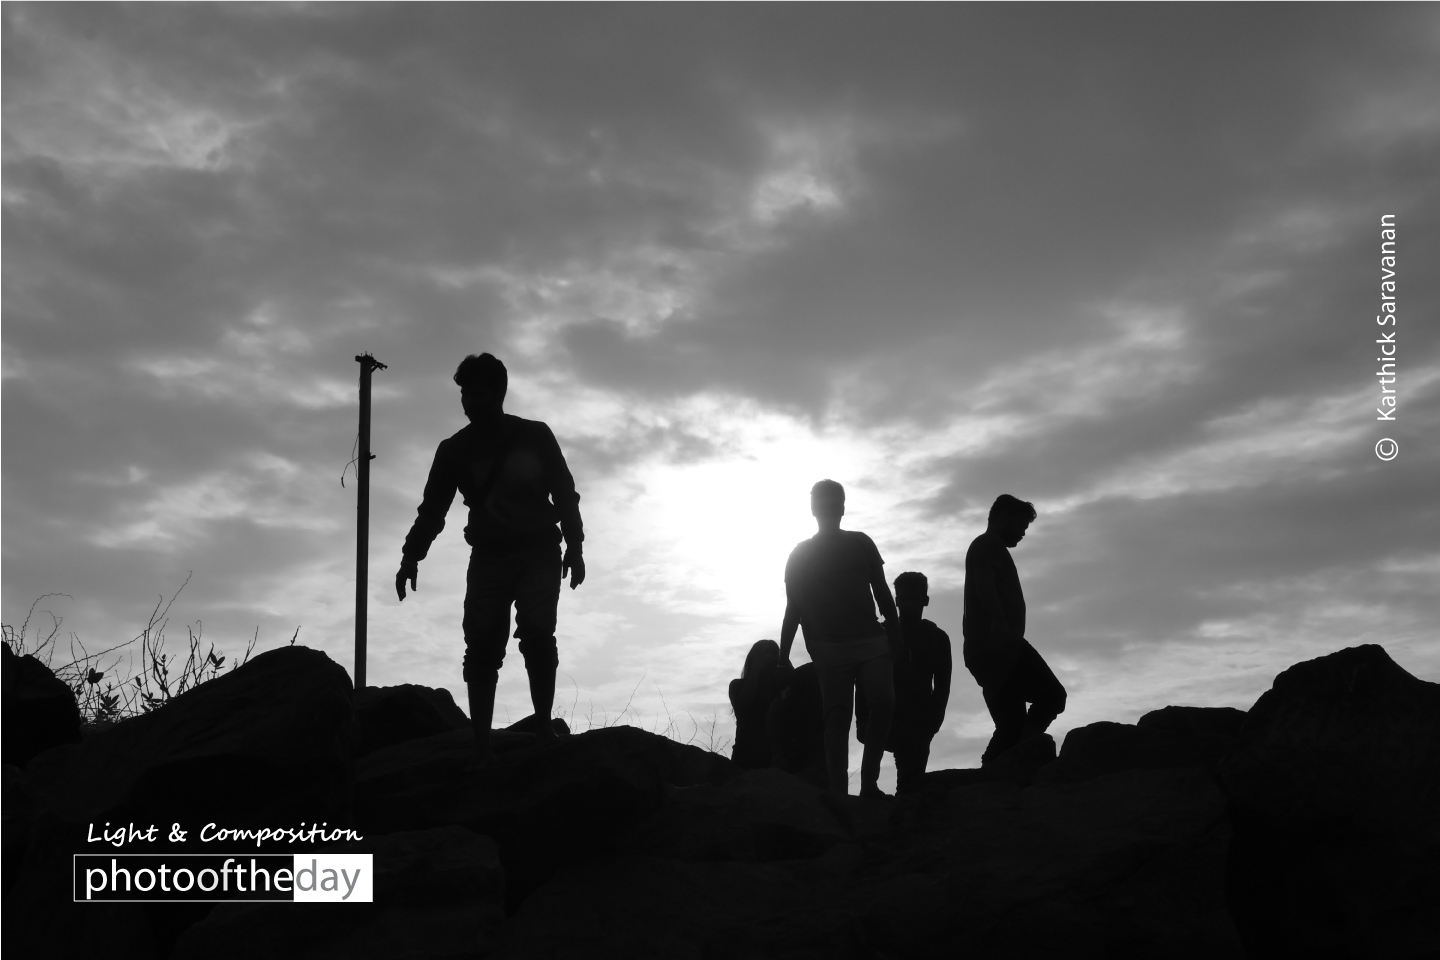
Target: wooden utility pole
{"type": "Point", "coordinates": [368, 365]}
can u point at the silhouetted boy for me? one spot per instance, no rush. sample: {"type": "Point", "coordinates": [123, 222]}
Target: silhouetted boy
{"type": "Point", "coordinates": [833, 582]}
{"type": "Point", "coordinates": [750, 698]}
{"type": "Point", "coordinates": [513, 478]}
{"type": "Point", "coordinates": [1009, 670]}
{"type": "Point", "coordinates": [922, 682]}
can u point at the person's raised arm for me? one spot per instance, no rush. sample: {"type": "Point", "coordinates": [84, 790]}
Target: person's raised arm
{"type": "Point", "coordinates": [440, 489]}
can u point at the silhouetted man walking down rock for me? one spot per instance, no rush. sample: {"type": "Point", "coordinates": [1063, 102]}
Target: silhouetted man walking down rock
{"type": "Point", "coordinates": [922, 682]}
{"type": "Point", "coordinates": [513, 478]}
{"type": "Point", "coordinates": [1009, 670]}
{"type": "Point", "coordinates": [833, 582]}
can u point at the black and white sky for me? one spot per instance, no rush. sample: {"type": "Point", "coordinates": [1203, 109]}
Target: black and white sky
{"type": "Point", "coordinates": [1122, 261]}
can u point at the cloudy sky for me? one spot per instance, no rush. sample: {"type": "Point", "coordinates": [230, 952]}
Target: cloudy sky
{"type": "Point", "coordinates": [1120, 261]}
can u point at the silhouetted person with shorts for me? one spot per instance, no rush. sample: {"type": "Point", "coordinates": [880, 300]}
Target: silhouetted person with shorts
{"type": "Point", "coordinates": [750, 698]}
{"type": "Point", "coordinates": [922, 682]}
{"type": "Point", "coordinates": [1009, 670]}
{"type": "Point", "coordinates": [833, 582]}
{"type": "Point", "coordinates": [513, 478]}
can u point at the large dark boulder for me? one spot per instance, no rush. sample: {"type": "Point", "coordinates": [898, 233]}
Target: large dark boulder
{"type": "Point", "coordinates": [437, 893]}
{"type": "Point", "coordinates": [1334, 787]}
{"type": "Point", "coordinates": [530, 723]}
{"type": "Point", "coordinates": [1169, 737]}
{"type": "Point", "coordinates": [391, 715]}
{"type": "Point", "coordinates": [542, 803]}
{"type": "Point", "coordinates": [39, 709]}
{"type": "Point", "coordinates": [1205, 726]}
{"type": "Point", "coordinates": [1125, 865]}
{"type": "Point", "coordinates": [269, 743]}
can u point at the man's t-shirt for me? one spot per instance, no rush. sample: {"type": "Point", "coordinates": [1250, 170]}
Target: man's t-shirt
{"type": "Point", "coordinates": [827, 579]}
{"type": "Point", "coordinates": [994, 609]}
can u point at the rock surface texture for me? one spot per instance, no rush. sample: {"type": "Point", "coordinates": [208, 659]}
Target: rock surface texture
{"type": "Point", "coordinates": [1305, 827]}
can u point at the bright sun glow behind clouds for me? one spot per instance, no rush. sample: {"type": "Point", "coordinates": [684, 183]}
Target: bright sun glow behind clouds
{"type": "Point", "coordinates": [724, 527]}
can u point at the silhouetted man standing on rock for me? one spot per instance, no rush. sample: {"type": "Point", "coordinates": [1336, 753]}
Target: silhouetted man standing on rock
{"type": "Point", "coordinates": [513, 478]}
{"type": "Point", "coordinates": [1009, 670]}
{"type": "Point", "coordinates": [833, 582]}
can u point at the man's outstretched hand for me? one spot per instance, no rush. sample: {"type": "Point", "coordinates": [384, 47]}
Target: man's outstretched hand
{"type": "Point", "coordinates": [573, 566]}
{"type": "Point", "coordinates": [408, 571]}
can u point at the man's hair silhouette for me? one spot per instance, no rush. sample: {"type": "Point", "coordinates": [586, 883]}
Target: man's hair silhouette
{"type": "Point", "coordinates": [1008, 506]}
{"type": "Point", "coordinates": [483, 373]}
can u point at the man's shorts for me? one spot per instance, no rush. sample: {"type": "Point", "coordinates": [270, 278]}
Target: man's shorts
{"type": "Point", "coordinates": [530, 581]}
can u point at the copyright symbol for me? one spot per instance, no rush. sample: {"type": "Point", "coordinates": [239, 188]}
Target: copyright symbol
{"type": "Point", "coordinates": [1387, 449]}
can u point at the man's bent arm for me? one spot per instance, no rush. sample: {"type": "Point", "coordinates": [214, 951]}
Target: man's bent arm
{"type": "Point", "coordinates": [787, 630]}
{"type": "Point", "coordinates": [881, 589]}
{"type": "Point", "coordinates": [562, 493]}
{"type": "Point", "coordinates": [440, 489]}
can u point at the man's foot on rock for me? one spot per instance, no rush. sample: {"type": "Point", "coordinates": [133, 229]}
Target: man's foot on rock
{"type": "Point", "coordinates": [871, 791]}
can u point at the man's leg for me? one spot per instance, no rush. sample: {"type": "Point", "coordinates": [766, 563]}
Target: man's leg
{"type": "Point", "coordinates": [876, 679]}
{"type": "Point", "coordinates": [1007, 709]}
{"type": "Point", "coordinates": [837, 695]}
{"type": "Point", "coordinates": [912, 753]}
{"type": "Point", "coordinates": [536, 603]}
{"type": "Point", "coordinates": [489, 591]}
{"type": "Point", "coordinates": [1038, 685]}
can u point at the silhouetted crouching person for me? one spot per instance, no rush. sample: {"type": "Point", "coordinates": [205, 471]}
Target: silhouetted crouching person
{"type": "Point", "coordinates": [1009, 670]}
{"type": "Point", "coordinates": [922, 682]}
{"type": "Point", "coordinates": [796, 723]}
{"type": "Point", "coordinates": [513, 478]}
{"type": "Point", "coordinates": [750, 698]}
{"type": "Point", "coordinates": [833, 582]}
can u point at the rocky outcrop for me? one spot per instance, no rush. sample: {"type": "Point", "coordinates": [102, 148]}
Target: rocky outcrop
{"type": "Point", "coordinates": [270, 742]}
{"type": "Point", "coordinates": [391, 715]}
{"type": "Point", "coordinates": [1303, 828]}
{"type": "Point", "coordinates": [528, 724]}
{"type": "Point", "coordinates": [39, 709]}
{"type": "Point", "coordinates": [1334, 786]}
{"type": "Point", "coordinates": [1169, 737]}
